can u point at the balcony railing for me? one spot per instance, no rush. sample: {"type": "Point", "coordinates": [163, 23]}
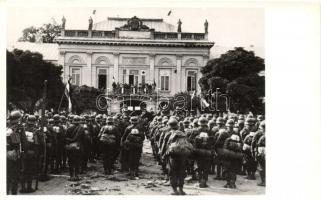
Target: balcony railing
{"type": "Point", "coordinates": [126, 89]}
{"type": "Point", "coordinates": [155, 35]}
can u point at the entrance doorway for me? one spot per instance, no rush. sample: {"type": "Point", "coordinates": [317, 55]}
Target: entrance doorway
{"type": "Point", "coordinates": [102, 78]}
{"type": "Point", "coordinates": [133, 106]}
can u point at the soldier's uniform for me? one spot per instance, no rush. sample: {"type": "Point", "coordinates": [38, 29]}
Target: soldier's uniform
{"type": "Point", "coordinates": [95, 141]}
{"type": "Point", "coordinates": [258, 149]}
{"type": "Point", "coordinates": [219, 138]}
{"type": "Point", "coordinates": [203, 144]}
{"type": "Point", "coordinates": [74, 146]}
{"type": "Point", "coordinates": [109, 137]}
{"type": "Point", "coordinates": [125, 153]}
{"type": "Point", "coordinates": [31, 160]}
{"type": "Point", "coordinates": [176, 164]}
{"type": "Point", "coordinates": [58, 136]}
{"type": "Point", "coordinates": [16, 142]}
{"type": "Point", "coordinates": [132, 141]}
{"type": "Point", "coordinates": [86, 143]}
{"type": "Point", "coordinates": [64, 125]}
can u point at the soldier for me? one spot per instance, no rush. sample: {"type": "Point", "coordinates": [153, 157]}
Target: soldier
{"type": "Point", "coordinates": [95, 141]}
{"type": "Point", "coordinates": [58, 137]}
{"type": "Point", "coordinates": [203, 145]}
{"type": "Point", "coordinates": [64, 125]}
{"type": "Point", "coordinates": [109, 137]}
{"type": "Point", "coordinates": [258, 149]}
{"type": "Point", "coordinates": [248, 127]}
{"type": "Point", "coordinates": [218, 144]}
{"type": "Point", "coordinates": [125, 152]}
{"type": "Point", "coordinates": [16, 144]}
{"type": "Point", "coordinates": [232, 154]}
{"type": "Point", "coordinates": [31, 159]}
{"type": "Point", "coordinates": [74, 146]}
{"type": "Point", "coordinates": [177, 160]}
{"type": "Point", "coordinates": [87, 143]}
{"type": "Point", "coordinates": [250, 163]}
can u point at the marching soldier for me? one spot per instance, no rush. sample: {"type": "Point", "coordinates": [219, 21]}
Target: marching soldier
{"type": "Point", "coordinates": [31, 159]}
{"type": "Point", "coordinates": [74, 146]}
{"type": "Point", "coordinates": [218, 144]}
{"type": "Point", "coordinates": [16, 144]}
{"type": "Point", "coordinates": [64, 125]}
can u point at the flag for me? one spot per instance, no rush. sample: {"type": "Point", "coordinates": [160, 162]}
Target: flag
{"type": "Point", "coordinates": [205, 102]}
{"type": "Point", "coordinates": [193, 95]}
{"type": "Point", "coordinates": [94, 12]}
{"type": "Point", "coordinates": [169, 13]}
{"type": "Point", "coordinates": [67, 94]}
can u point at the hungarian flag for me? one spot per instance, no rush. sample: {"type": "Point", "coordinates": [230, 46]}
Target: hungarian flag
{"type": "Point", "coordinates": [67, 94]}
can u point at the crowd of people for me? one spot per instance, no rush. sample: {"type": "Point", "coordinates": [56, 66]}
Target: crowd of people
{"type": "Point", "coordinates": [195, 145]}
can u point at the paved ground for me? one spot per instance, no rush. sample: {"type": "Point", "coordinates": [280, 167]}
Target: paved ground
{"type": "Point", "coordinates": [150, 182]}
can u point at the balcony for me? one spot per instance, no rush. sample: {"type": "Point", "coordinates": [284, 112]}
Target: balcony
{"type": "Point", "coordinates": [126, 89]}
{"type": "Point", "coordinates": [115, 34]}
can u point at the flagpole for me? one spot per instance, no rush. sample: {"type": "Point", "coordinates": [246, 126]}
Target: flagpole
{"type": "Point", "coordinates": [63, 94]}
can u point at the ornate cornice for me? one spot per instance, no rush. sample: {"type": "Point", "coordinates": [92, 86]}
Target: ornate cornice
{"type": "Point", "coordinates": [155, 43]}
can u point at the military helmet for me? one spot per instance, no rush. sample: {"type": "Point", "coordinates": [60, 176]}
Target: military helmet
{"type": "Point", "coordinates": [262, 125]}
{"type": "Point", "coordinates": [110, 119]}
{"type": "Point", "coordinates": [165, 121]}
{"type": "Point", "coordinates": [209, 116]}
{"type": "Point", "coordinates": [15, 116]}
{"type": "Point", "coordinates": [195, 121]}
{"type": "Point", "coordinates": [186, 121]}
{"type": "Point", "coordinates": [249, 121]}
{"type": "Point", "coordinates": [31, 120]}
{"type": "Point", "coordinates": [211, 123]}
{"type": "Point", "coordinates": [202, 121]}
{"type": "Point", "coordinates": [260, 118]}
{"type": "Point", "coordinates": [241, 117]}
{"type": "Point", "coordinates": [172, 122]}
{"type": "Point", "coordinates": [134, 119]}
{"type": "Point", "coordinates": [159, 119]}
{"type": "Point", "coordinates": [56, 117]}
{"type": "Point", "coordinates": [76, 119]}
{"type": "Point", "coordinates": [229, 123]}
{"type": "Point", "coordinates": [51, 121]}
{"type": "Point", "coordinates": [240, 122]}
{"type": "Point", "coordinates": [220, 120]}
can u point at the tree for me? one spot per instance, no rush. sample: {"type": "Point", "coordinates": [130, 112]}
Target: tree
{"type": "Point", "coordinates": [26, 72]}
{"type": "Point", "coordinates": [236, 73]}
{"type": "Point", "coordinates": [47, 32]}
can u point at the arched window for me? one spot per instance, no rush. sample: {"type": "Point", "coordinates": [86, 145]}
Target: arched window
{"type": "Point", "coordinates": [191, 62]}
{"type": "Point", "coordinates": [75, 60]}
{"type": "Point", "coordinates": [102, 60]}
{"type": "Point", "coordinates": [165, 62]}
{"type": "Point", "coordinates": [75, 63]}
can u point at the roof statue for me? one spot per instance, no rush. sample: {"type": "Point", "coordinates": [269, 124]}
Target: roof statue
{"type": "Point", "coordinates": [90, 23]}
{"type": "Point", "coordinates": [63, 22]}
{"type": "Point", "coordinates": [179, 28]}
{"type": "Point", "coordinates": [206, 26]}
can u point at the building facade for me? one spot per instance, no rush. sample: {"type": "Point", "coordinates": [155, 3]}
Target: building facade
{"type": "Point", "coordinates": [134, 52]}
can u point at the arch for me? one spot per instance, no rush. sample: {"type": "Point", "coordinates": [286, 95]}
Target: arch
{"type": "Point", "coordinates": [165, 62]}
{"type": "Point", "coordinates": [102, 60]}
{"type": "Point", "coordinates": [75, 60]}
{"type": "Point", "coordinates": [191, 62]}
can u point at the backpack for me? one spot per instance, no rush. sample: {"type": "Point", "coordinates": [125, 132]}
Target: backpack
{"type": "Point", "coordinates": [232, 148]}
{"type": "Point", "coordinates": [181, 147]}
{"type": "Point", "coordinates": [108, 137]}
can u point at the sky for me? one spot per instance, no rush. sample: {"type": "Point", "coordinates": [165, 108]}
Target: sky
{"type": "Point", "coordinates": [228, 27]}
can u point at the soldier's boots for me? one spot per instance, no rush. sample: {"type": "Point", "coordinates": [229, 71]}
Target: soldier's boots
{"type": "Point", "coordinates": [262, 179]}
{"type": "Point", "coordinates": [175, 192]}
{"type": "Point", "coordinates": [181, 192]}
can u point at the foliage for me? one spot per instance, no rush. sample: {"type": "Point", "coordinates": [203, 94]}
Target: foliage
{"type": "Point", "coordinates": [83, 98]}
{"type": "Point", "coordinates": [236, 73]}
{"type": "Point", "coordinates": [26, 72]}
{"type": "Point", "coordinates": [48, 32]}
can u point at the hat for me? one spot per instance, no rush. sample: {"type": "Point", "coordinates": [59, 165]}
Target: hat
{"type": "Point", "coordinates": [76, 119]}
{"type": "Point", "coordinates": [15, 116]}
{"type": "Point", "coordinates": [31, 119]}
{"type": "Point", "coordinates": [202, 121]}
{"type": "Point", "coordinates": [229, 123]}
{"type": "Point", "coordinates": [172, 122]}
{"type": "Point", "coordinates": [56, 117]}
{"type": "Point", "coordinates": [110, 120]}
{"type": "Point", "coordinates": [211, 123]}
{"type": "Point", "coordinates": [186, 121]}
{"type": "Point", "coordinates": [134, 119]}
{"type": "Point", "coordinates": [262, 125]}
{"type": "Point", "coordinates": [220, 120]}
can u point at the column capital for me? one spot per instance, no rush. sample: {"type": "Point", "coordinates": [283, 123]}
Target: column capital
{"type": "Point", "coordinates": [152, 55]}
{"type": "Point", "coordinates": [116, 53]}
{"type": "Point", "coordinates": [62, 52]}
{"type": "Point", "coordinates": [179, 56]}
{"type": "Point", "coordinates": [89, 52]}
{"type": "Point", "coordinates": [206, 56]}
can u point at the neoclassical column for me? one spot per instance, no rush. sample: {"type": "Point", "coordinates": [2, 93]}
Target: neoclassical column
{"type": "Point", "coordinates": [116, 66]}
{"type": "Point", "coordinates": [152, 67]}
{"type": "Point", "coordinates": [178, 72]}
{"type": "Point", "coordinates": [87, 71]}
{"type": "Point", "coordinates": [61, 61]}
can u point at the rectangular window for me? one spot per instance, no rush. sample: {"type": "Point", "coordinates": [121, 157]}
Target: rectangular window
{"type": "Point", "coordinates": [164, 80]}
{"type": "Point", "coordinates": [191, 80]}
{"type": "Point", "coordinates": [75, 76]}
{"type": "Point", "coordinates": [124, 76]}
